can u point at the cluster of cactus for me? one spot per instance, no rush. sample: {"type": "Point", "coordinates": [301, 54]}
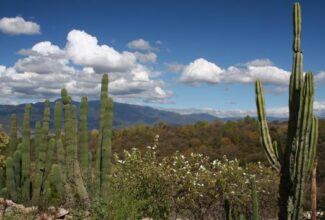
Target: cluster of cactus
{"type": "Point", "coordinates": [295, 162]}
{"type": "Point", "coordinates": [254, 215]}
{"type": "Point", "coordinates": [57, 168]}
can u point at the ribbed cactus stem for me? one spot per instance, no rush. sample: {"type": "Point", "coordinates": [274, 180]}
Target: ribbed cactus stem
{"type": "Point", "coordinates": [57, 118]}
{"type": "Point", "coordinates": [228, 211]}
{"type": "Point", "coordinates": [49, 157]}
{"type": "Point", "coordinates": [68, 133]}
{"type": "Point", "coordinates": [59, 152]}
{"type": "Point", "coordinates": [40, 171]}
{"type": "Point", "coordinates": [13, 135]}
{"type": "Point", "coordinates": [73, 170]}
{"type": "Point", "coordinates": [2, 179]}
{"type": "Point", "coordinates": [17, 168]}
{"type": "Point", "coordinates": [299, 154]}
{"type": "Point", "coordinates": [83, 140]}
{"type": "Point", "coordinates": [103, 151]}
{"type": "Point", "coordinates": [106, 148]}
{"type": "Point", "coordinates": [10, 180]}
{"type": "Point", "coordinates": [254, 199]}
{"type": "Point", "coordinates": [271, 149]}
{"type": "Point", "coordinates": [26, 165]}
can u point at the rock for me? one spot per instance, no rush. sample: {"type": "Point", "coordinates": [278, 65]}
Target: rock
{"type": "Point", "coordinates": [9, 202]}
{"type": "Point", "coordinates": [61, 213]}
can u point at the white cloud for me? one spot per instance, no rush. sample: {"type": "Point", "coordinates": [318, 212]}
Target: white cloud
{"type": "Point", "coordinates": [146, 57]}
{"type": "Point", "coordinates": [79, 67]}
{"type": "Point", "coordinates": [83, 49]}
{"type": "Point", "coordinates": [203, 71]}
{"type": "Point", "coordinates": [320, 78]}
{"type": "Point", "coordinates": [18, 25]}
{"type": "Point", "coordinates": [139, 44]}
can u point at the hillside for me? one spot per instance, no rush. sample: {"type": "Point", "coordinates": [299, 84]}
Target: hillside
{"type": "Point", "coordinates": [124, 115]}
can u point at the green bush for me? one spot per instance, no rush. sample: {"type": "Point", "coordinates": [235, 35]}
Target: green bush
{"type": "Point", "coordinates": [192, 187]}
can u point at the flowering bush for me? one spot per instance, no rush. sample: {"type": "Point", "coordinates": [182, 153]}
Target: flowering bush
{"type": "Point", "coordinates": [192, 187]}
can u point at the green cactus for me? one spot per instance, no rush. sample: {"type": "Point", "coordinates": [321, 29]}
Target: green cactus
{"type": "Point", "coordinates": [228, 210]}
{"type": "Point", "coordinates": [254, 199]}
{"type": "Point", "coordinates": [2, 178]}
{"type": "Point", "coordinates": [13, 135]}
{"type": "Point", "coordinates": [299, 155]}
{"type": "Point", "coordinates": [49, 158]}
{"type": "Point", "coordinates": [17, 167]}
{"type": "Point", "coordinates": [25, 153]}
{"type": "Point", "coordinates": [106, 148]}
{"type": "Point", "coordinates": [73, 170]}
{"type": "Point", "coordinates": [103, 151]}
{"type": "Point", "coordinates": [59, 152]}
{"type": "Point", "coordinates": [68, 131]}
{"type": "Point", "coordinates": [55, 186]}
{"type": "Point", "coordinates": [10, 179]}
{"type": "Point", "coordinates": [37, 139]}
{"type": "Point", "coordinates": [40, 170]}
{"type": "Point", "coordinates": [83, 140]}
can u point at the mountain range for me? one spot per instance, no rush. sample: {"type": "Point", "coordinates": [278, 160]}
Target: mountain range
{"type": "Point", "coordinates": [124, 115]}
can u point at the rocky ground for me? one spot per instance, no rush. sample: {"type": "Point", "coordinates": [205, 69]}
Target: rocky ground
{"type": "Point", "coordinates": [11, 210]}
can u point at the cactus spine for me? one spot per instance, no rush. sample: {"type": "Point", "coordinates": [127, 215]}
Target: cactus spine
{"type": "Point", "coordinates": [299, 155]}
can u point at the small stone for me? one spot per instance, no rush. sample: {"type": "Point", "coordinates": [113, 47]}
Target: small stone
{"type": "Point", "coordinates": [61, 213]}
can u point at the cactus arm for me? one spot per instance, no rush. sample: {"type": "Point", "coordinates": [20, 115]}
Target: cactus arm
{"type": "Point", "coordinates": [313, 144]}
{"type": "Point", "coordinates": [264, 130]}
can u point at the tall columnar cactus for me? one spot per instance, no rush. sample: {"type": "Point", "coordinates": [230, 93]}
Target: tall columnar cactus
{"type": "Point", "coordinates": [13, 135]}
{"type": "Point", "coordinates": [59, 149]}
{"type": "Point", "coordinates": [299, 154]}
{"type": "Point", "coordinates": [40, 171]}
{"type": "Point", "coordinates": [10, 179]}
{"type": "Point", "coordinates": [254, 199]}
{"type": "Point", "coordinates": [72, 164]}
{"type": "Point", "coordinates": [17, 168]}
{"type": "Point", "coordinates": [103, 151]}
{"type": "Point", "coordinates": [26, 165]}
{"type": "Point", "coordinates": [37, 139]}
{"type": "Point", "coordinates": [83, 140]}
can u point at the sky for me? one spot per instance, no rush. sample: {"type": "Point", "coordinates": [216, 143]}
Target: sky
{"type": "Point", "coordinates": [185, 56]}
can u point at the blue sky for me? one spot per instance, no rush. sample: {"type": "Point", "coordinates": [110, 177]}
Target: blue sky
{"type": "Point", "coordinates": [188, 56]}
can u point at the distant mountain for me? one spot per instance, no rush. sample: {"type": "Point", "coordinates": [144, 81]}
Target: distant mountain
{"type": "Point", "coordinates": [124, 115]}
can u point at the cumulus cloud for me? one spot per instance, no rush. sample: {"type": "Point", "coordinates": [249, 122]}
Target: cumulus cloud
{"type": "Point", "coordinates": [79, 66]}
{"type": "Point", "coordinates": [83, 49]}
{"type": "Point", "coordinates": [139, 44]}
{"type": "Point", "coordinates": [203, 71]}
{"type": "Point", "coordinates": [320, 78]}
{"type": "Point", "coordinates": [18, 25]}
